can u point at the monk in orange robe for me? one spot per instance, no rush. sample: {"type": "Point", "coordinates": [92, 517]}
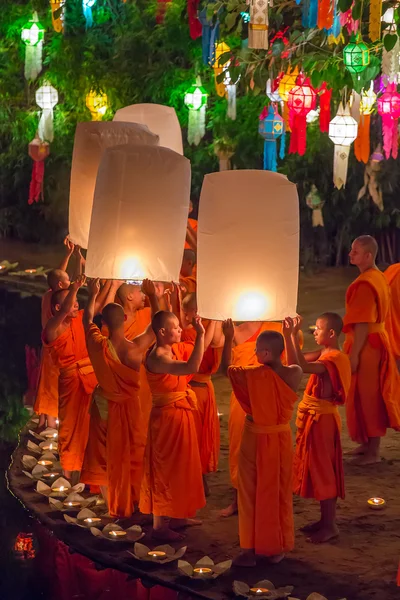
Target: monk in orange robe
{"type": "Point", "coordinates": [187, 277]}
{"type": "Point", "coordinates": [374, 399]}
{"type": "Point", "coordinates": [191, 231]}
{"type": "Point", "coordinates": [114, 453]}
{"type": "Point", "coordinates": [392, 323]}
{"type": "Point", "coordinates": [318, 464]}
{"type": "Point", "coordinates": [172, 485]}
{"type": "Point", "coordinates": [267, 394]}
{"type": "Point", "coordinates": [206, 415]}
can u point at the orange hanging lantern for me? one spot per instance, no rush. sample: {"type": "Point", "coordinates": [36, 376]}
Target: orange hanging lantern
{"type": "Point", "coordinates": [302, 99]}
{"type": "Point", "coordinates": [219, 67]}
{"type": "Point", "coordinates": [362, 142]}
{"type": "Point", "coordinates": [287, 82]}
{"type": "Point", "coordinates": [57, 15]}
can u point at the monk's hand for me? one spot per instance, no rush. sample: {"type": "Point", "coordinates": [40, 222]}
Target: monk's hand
{"type": "Point", "coordinates": [77, 251]}
{"type": "Point", "coordinates": [148, 288]}
{"type": "Point", "coordinates": [70, 247]}
{"type": "Point", "coordinates": [297, 323]}
{"type": "Point", "coordinates": [80, 281]}
{"type": "Point", "coordinates": [93, 287]}
{"type": "Point", "coordinates": [160, 289]}
{"type": "Point", "coordinates": [198, 325]}
{"type": "Point", "coordinates": [288, 327]}
{"type": "Point", "coordinates": [228, 329]}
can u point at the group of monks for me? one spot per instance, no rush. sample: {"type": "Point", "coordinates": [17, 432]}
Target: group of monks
{"type": "Point", "coordinates": [137, 409]}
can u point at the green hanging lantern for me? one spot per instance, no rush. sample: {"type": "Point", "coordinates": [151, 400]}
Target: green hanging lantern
{"type": "Point", "coordinates": [356, 56]}
{"type": "Point", "coordinates": [32, 35]}
{"type": "Point", "coordinates": [196, 101]}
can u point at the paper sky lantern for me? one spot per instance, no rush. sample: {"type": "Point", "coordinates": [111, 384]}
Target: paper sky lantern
{"type": "Point", "coordinates": [32, 35]}
{"type": "Point", "coordinates": [46, 97]}
{"type": "Point", "coordinates": [141, 233]}
{"type": "Point", "coordinates": [389, 109]}
{"type": "Point", "coordinates": [301, 100]}
{"type": "Point", "coordinates": [91, 139]}
{"type": "Point", "coordinates": [271, 128]}
{"type": "Point", "coordinates": [356, 56]}
{"type": "Point", "coordinates": [97, 103]}
{"type": "Point", "coordinates": [342, 131]}
{"type": "Point", "coordinates": [196, 102]}
{"type": "Point", "coordinates": [255, 245]}
{"type": "Point", "coordinates": [87, 6]}
{"type": "Point", "coordinates": [57, 15]}
{"type": "Point", "coordinates": [161, 120]}
{"type": "Point", "coordinates": [258, 26]}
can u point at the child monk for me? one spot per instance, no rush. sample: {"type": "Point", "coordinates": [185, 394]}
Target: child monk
{"type": "Point", "coordinates": [206, 415]}
{"type": "Point", "coordinates": [172, 484]}
{"type": "Point", "coordinates": [267, 394]}
{"type": "Point", "coordinates": [187, 277]}
{"type": "Point", "coordinates": [114, 453]}
{"type": "Point", "coordinates": [318, 465]}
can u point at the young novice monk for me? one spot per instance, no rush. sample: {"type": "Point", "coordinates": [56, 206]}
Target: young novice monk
{"type": "Point", "coordinates": [187, 277]}
{"type": "Point", "coordinates": [267, 394]}
{"type": "Point", "coordinates": [318, 466]}
{"type": "Point", "coordinates": [172, 483]}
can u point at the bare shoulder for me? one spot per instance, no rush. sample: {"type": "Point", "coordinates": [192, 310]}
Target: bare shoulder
{"type": "Point", "coordinates": [292, 376]}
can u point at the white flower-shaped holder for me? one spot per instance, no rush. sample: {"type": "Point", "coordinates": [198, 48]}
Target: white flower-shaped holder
{"type": "Point", "coordinates": [159, 554]}
{"type": "Point", "coordinates": [205, 568]}
{"type": "Point", "coordinates": [84, 519]}
{"type": "Point", "coordinates": [36, 473]}
{"type": "Point", "coordinates": [49, 446]}
{"type": "Point", "coordinates": [30, 462]}
{"type": "Point", "coordinates": [115, 533]}
{"type": "Point", "coordinates": [263, 589]}
{"type": "Point", "coordinates": [34, 448]}
{"type": "Point", "coordinates": [74, 502]}
{"type": "Point", "coordinates": [60, 488]}
{"type": "Point", "coordinates": [47, 434]}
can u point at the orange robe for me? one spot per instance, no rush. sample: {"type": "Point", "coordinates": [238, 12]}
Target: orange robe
{"type": "Point", "coordinates": [194, 225]}
{"type": "Point", "coordinates": [46, 401]}
{"type": "Point", "coordinates": [75, 387]}
{"type": "Point", "coordinates": [115, 449]}
{"type": "Point", "coordinates": [265, 498]}
{"type": "Point", "coordinates": [189, 283]}
{"type": "Point", "coordinates": [392, 323]}
{"type": "Point", "coordinates": [374, 399]}
{"type": "Point", "coordinates": [206, 415]}
{"type": "Point", "coordinates": [172, 483]}
{"type": "Point", "coordinates": [318, 464]}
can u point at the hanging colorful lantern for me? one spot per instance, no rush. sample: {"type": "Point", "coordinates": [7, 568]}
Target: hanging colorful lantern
{"type": "Point", "coordinates": [220, 66]}
{"type": "Point", "coordinates": [193, 18]}
{"type": "Point", "coordinates": [23, 546]}
{"type": "Point", "coordinates": [314, 201]}
{"type": "Point", "coordinates": [342, 132]}
{"type": "Point", "coordinates": [310, 14]}
{"type": "Point", "coordinates": [375, 13]}
{"type": "Point", "coordinates": [356, 56]}
{"type": "Point", "coordinates": [272, 92]}
{"type": "Point", "coordinates": [287, 82]}
{"type": "Point", "coordinates": [57, 15]}
{"type": "Point", "coordinates": [196, 101]}
{"type": "Point", "coordinates": [38, 151]}
{"type": "Point", "coordinates": [258, 27]}
{"type": "Point", "coordinates": [326, 10]}
{"type": "Point", "coordinates": [224, 151]}
{"type": "Point", "coordinates": [389, 109]}
{"type": "Point", "coordinates": [209, 37]}
{"type": "Point", "coordinates": [390, 59]}
{"type": "Point", "coordinates": [362, 143]}
{"type": "Point", "coordinates": [301, 99]}
{"type": "Point", "coordinates": [46, 97]}
{"type": "Point", "coordinates": [325, 96]}
{"type": "Point", "coordinates": [32, 35]}
{"type": "Point", "coordinates": [97, 103]}
{"type": "Point", "coordinates": [335, 32]}
{"type": "Point", "coordinates": [230, 87]}
{"type": "Point", "coordinates": [271, 127]}
{"type": "Point", "coordinates": [87, 6]}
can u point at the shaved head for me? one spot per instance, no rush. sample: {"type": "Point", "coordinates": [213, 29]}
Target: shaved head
{"type": "Point", "coordinates": [161, 320]}
{"type": "Point", "coordinates": [333, 320]}
{"type": "Point", "coordinates": [132, 295]}
{"type": "Point", "coordinates": [368, 243]}
{"type": "Point", "coordinates": [113, 316]}
{"type": "Point", "coordinates": [190, 302]}
{"type": "Point", "coordinates": [272, 341]}
{"type": "Point", "coordinates": [189, 255]}
{"type": "Point", "coordinates": [58, 297]}
{"type": "Point", "coordinates": [57, 279]}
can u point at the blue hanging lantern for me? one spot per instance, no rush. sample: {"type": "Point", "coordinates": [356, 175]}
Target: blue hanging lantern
{"type": "Point", "coordinates": [271, 127]}
{"type": "Point", "coordinates": [310, 14]}
{"type": "Point", "coordinates": [210, 36]}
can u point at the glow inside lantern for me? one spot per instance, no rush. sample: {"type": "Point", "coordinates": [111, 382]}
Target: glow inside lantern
{"type": "Point", "coordinates": [46, 97]}
{"type": "Point", "coordinates": [139, 216]}
{"type": "Point", "coordinates": [287, 82]}
{"type": "Point", "coordinates": [301, 99]}
{"type": "Point", "coordinates": [91, 139]}
{"type": "Point", "coordinates": [97, 103]}
{"type": "Point", "coordinates": [196, 97]}
{"type": "Point", "coordinates": [389, 104]}
{"type": "Point", "coordinates": [255, 244]}
{"type": "Point", "coordinates": [343, 130]}
{"type": "Point", "coordinates": [368, 99]}
{"type": "Point", "coordinates": [32, 33]}
{"type": "Point", "coordinates": [356, 56]}
{"type": "Point", "coordinates": [161, 120]}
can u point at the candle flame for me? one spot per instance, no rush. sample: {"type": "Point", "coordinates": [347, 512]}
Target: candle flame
{"type": "Point", "coordinates": [62, 488]}
{"type": "Point", "coordinates": [89, 520]}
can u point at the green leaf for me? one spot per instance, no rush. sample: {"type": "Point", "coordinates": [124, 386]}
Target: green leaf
{"type": "Point", "coordinates": [277, 48]}
{"type": "Point", "coordinates": [230, 20]}
{"type": "Point", "coordinates": [224, 58]}
{"type": "Point", "coordinates": [344, 5]}
{"type": "Point", "coordinates": [356, 11]}
{"type": "Point", "coordinates": [316, 78]}
{"type": "Point", "coordinates": [389, 41]}
{"type": "Point", "coordinates": [57, 13]}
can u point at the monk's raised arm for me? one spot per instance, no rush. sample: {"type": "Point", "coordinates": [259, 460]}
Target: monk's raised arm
{"type": "Point", "coordinates": [228, 331]}
{"type": "Point", "coordinates": [89, 312]}
{"type": "Point", "coordinates": [62, 310]}
{"type": "Point", "coordinates": [69, 248]}
{"type": "Point", "coordinates": [162, 363]}
{"type": "Point", "coordinates": [106, 295]}
{"type": "Point", "coordinates": [294, 354]}
{"type": "Point", "coordinates": [79, 263]}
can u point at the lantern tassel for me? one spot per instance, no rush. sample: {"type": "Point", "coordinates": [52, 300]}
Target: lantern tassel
{"type": "Point", "coordinates": [231, 93]}
{"type": "Point", "coordinates": [270, 163]}
{"type": "Point", "coordinates": [340, 165]}
{"type": "Point", "coordinates": [45, 127]}
{"type": "Point", "coordinates": [258, 26]}
{"type": "Point", "coordinates": [310, 14]}
{"type": "Point", "coordinates": [36, 184]}
{"type": "Point", "coordinates": [33, 61]}
{"type": "Point", "coordinates": [375, 13]}
{"type": "Point", "coordinates": [196, 125]}
{"type": "Point", "coordinates": [325, 109]}
{"type": "Point", "coordinates": [298, 137]}
{"type": "Point", "coordinates": [362, 143]}
{"type": "Point", "coordinates": [88, 14]}
{"type": "Point", "coordinates": [282, 146]}
{"type": "Point", "coordinates": [325, 14]}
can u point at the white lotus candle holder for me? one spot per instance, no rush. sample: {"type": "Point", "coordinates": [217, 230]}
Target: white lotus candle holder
{"type": "Point", "coordinates": [46, 434]}
{"type": "Point", "coordinates": [49, 446]}
{"type": "Point", "coordinates": [73, 502]}
{"type": "Point", "coordinates": [60, 488]}
{"type": "Point", "coordinates": [205, 568]}
{"type": "Point", "coordinates": [262, 589]}
{"type": "Point", "coordinates": [115, 533]}
{"type": "Point", "coordinates": [37, 472]}
{"type": "Point", "coordinates": [47, 460]}
{"type": "Point", "coordinates": [159, 554]}
{"type": "Point", "coordinates": [85, 518]}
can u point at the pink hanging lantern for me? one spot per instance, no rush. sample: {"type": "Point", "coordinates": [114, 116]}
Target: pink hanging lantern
{"type": "Point", "coordinates": [301, 100]}
{"type": "Point", "coordinates": [389, 109]}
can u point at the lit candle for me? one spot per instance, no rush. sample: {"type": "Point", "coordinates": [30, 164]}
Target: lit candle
{"type": "Point", "coordinates": [45, 463]}
{"type": "Point", "coordinates": [92, 521]}
{"type": "Point", "coordinates": [1, 267]}
{"type": "Point", "coordinates": [157, 554]}
{"type": "Point", "coordinates": [72, 504]}
{"type": "Point", "coordinates": [50, 475]}
{"type": "Point", "coordinates": [57, 422]}
{"type": "Point", "coordinates": [117, 533]}
{"type": "Point", "coordinates": [51, 435]}
{"type": "Point", "coordinates": [258, 591]}
{"type": "Point", "coordinates": [61, 489]}
{"type": "Point", "coordinates": [220, 415]}
{"type": "Point", "coordinates": [51, 446]}
{"type": "Point", "coordinates": [30, 271]}
{"type": "Point", "coordinates": [376, 503]}
{"type": "Point", "coordinates": [202, 571]}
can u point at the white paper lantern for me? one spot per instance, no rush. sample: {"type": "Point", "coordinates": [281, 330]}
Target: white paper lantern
{"type": "Point", "coordinates": [46, 97]}
{"type": "Point", "coordinates": [141, 233]}
{"type": "Point", "coordinates": [91, 139]}
{"type": "Point", "coordinates": [161, 120]}
{"type": "Point", "coordinates": [248, 246]}
{"type": "Point", "coordinates": [342, 131]}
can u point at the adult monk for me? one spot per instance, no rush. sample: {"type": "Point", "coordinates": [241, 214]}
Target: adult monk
{"type": "Point", "coordinates": [114, 453]}
{"type": "Point", "coordinates": [374, 398]}
{"type": "Point", "coordinates": [267, 393]}
{"type": "Point", "coordinates": [172, 485]}
{"type": "Point", "coordinates": [318, 464]}
{"type": "Point", "coordinates": [191, 231]}
{"type": "Point", "coordinates": [392, 323]}
{"type": "Point", "coordinates": [187, 277]}
{"type": "Point", "coordinates": [206, 415]}
{"type": "Point", "coordinates": [65, 337]}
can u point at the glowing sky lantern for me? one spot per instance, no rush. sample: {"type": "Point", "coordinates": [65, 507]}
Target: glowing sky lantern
{"type": "Point", "coordinates": [255, 244]}
{"type": "Point", "coordinates": [141, 233]}
{"type": "Point", "coordinates": [91, 139]}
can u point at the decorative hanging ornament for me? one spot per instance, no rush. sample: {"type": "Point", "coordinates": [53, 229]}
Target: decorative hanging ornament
{"type": "Point", "coordinates": [258, 26]}
{"type": "Point", "coordinates": [46, 97]}
{"type": "Point", "coordinates": [302, 98]}
{"type": "Point", "coordinates": [389, 109]}
{"type": "Point", "coordinates": [362, 143]}
{"type": "Point", "coordinates": [346, 20]}
{"type": "Point", "coordinates": [193, 18]}
{"type": "Point", "coordinates": [97, 103]}
{"type": "Point", "coordinates": [355, 56]}
{"type": "Point", "coordinates": [196, 101]}
{"type": "Point", "coordinates": [310, 14]}
{"type": "Point", "coordinates": [287, 82]}
{"type": "Point", "coordinates": [210, 35]}
{"type": "Point", "coordinates": [57, 15]}
{"type": "Point", "coordinates": [375, 13]}
{"type": "Point", "coordinates": [161, 10]}
{"type": "Point", "coordinates": [32, 35]}
{"type": "Point", "coordinates": [230, 86]}
{"type": "Point", "coordinates": [313, 200]}
{"type": "Point", "coordinates": [342, 132]}
{"type": "Point", "coordinates": [38, 151]}
{"type": "Point", "coordinates": [390, 59]}
{"type": "Point", "coordinates": [221, 63]}
{"type": "Point", "coordinates": [326, 9]}
{"type": "Point", "coordinates": [325, 108]}
{"type": "Point", "coordinates": [87, 6]}
{"type": "Point", "coordinates": [271, 127]}
{"type": "Point", "coordinates": [272, 92]}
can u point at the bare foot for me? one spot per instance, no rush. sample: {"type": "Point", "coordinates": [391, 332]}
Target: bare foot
{"type": "Point", "coordinates": [311, 528]}
{"type": "Point", "coordinates": [230, 511]}
{"type": "Point", "coordinates": [276, 559]}
{"type": "Point", "coordinates": [367, 459]}
{"type": "Point", "coordinates": [324, 535]}
{"type": "Point", "coordinates": [166, 535]}
{"type": "Point", "coordinates": [51, 422]}
{"type": "Point", "coordinates": [357, 451]}
{"type": "Point", "coordinates": [206, 488]}
{"type": "Point", "coordinates": [181, 523]}
{"type": "Point", "coordinates": [67, 474]}
{"type": "Point", "coordinates": [245, 559]}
